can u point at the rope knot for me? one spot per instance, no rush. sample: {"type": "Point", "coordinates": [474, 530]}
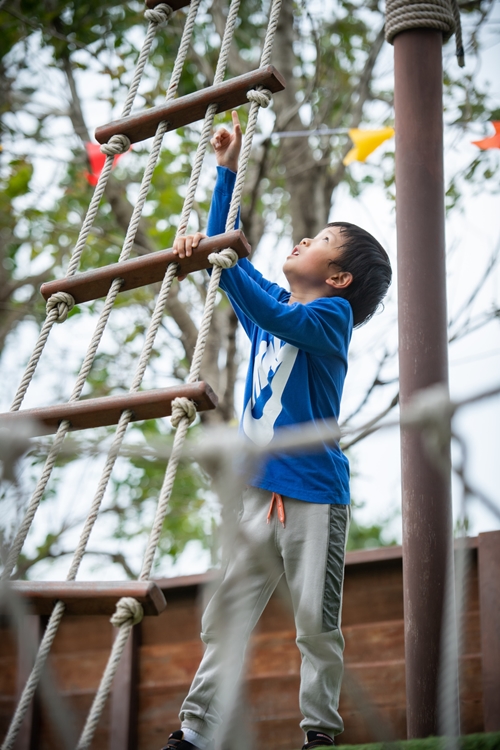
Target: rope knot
{"type": "Point", "coordinates": [224, 259]}
{"type": "Point", "coordinates": [262, 96]}
{"type": "Point", "coordinates": [128, 610]}
{"type": "Point", "coordinates": [117, 144]}
{"type": "Point", "coordinates": [443, 15]}
{"type": "Point", "coordinates": [64, 303]}
{"type": "Point", "coordinates": [182, 408]}
{"type": "Point", "coordinates": [159, 15]}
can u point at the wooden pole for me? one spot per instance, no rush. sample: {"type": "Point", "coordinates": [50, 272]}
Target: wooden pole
{"type": "Point", "coordinates": [423, 359]}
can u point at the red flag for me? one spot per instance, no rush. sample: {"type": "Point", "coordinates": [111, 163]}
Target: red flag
{"type": "Point", "coordinates": [96, 161]}
{"type": "Point", "coordinates": [493, 141]}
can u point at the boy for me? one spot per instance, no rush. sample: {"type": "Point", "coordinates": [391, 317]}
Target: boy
{"type": "Point", "coordinates": [298, 363]}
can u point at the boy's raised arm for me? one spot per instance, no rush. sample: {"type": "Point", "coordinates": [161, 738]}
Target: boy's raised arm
{"type": "Point", "coordinates": [227, 147]}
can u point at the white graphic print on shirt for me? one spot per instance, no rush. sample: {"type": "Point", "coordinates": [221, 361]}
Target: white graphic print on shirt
{"type": "Point", "coordinates": [273, 364]}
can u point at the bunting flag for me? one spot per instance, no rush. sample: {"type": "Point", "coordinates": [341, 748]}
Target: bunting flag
{"type": "Point", "coordinates": [365, 142]}
{"type": "Point", "coordinates": [493, 141]}
{"type": "Point", "coordinates": [96, 161]}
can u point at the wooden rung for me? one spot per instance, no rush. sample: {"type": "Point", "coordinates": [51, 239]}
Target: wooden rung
{"type": "Point", "coordinates": [187, 109]}
{"type": "Point", "coordinates": [144, 270]}
{"type": "Point", "coordinates": [88, 597]}
{"type": "Point", "coordinates": [174, 4]}
{"type": "Point", "coordinates": [98, 412]}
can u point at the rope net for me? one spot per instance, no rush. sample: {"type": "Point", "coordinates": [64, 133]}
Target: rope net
{"type": "Point", "coordinates": [129, 611]}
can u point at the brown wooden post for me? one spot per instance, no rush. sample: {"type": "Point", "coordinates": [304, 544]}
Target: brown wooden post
{"type": "Point", "coordinates": [28, 643]}
{"type": "Point", "coordinates": [124, 696]}
{"type": "Point", "coordinates": [489, 614]}
{"type": "Point", "coordinates": [423, 361]}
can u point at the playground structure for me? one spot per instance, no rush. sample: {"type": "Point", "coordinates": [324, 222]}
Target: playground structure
{"type": "Point", "coordinates": [164, 651]}
{"type": "Point", "coordinates": [427, 542]}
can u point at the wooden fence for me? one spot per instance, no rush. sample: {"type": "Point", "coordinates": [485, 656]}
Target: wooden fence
{"type": "Point", "coordinates": [163, 654]}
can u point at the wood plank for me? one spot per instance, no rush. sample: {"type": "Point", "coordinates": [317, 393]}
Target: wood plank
{"type": "Point", "coordinates": [89, 597]}
{"type": "Point", "coordinates": [373, 593]}
{"type": "Point", "coordinates": [79, 706]}
{"type": "Point", "coordinates": [79, 673]}
{"type": "Point", "coordinates": [171, 664]}
{"type": "Point", "coordinates": [489, 598]}
{"type": "Point", "coordinates": [98, 634]}
{"type": "Point", "coordinates": [27, 648]}
{"type": "Point", "coordinates": [180, 623]}
{"type": "Point", "coordinates": [147, 269]}
{"type": "Point", "coordinates": [124, 696]}
{"type": "Point", "coordinates": [377, 555]}
{"type": "Point", "coordinates": [370, 642]}
{"type": "Point", "coordinates": [159, 715]}
{"type": "Point", "coordinates": [190, 108]}
{"type": "Point", "coordinates": [280, 734]}
{"type": "Point", "coordinates": [98, 412]}
{"type": "Point", "coordinates": [174, 4]}
{"type": "Point", "coordinates": [359, 730]}
{"type": "Point", "coordinates": [471, 695]}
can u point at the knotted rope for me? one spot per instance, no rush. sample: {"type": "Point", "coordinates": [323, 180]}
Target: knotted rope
{"type": "Point", "coordinates": [118, 142]}
{"type": "Point", "coordinates": [117, 145]}
{"type": "Point", "coordinates": [63, 303]}
{"type": "Point", "coordinates": [182, 412]}
{"type": "Point", "coordinates": [128, 612]}
{"type": "Point", "coordinates": [263, 97]}
{"type": "Point", "coordinates": [444, 15]}
{"type": "Point", "coordinates": [182, 408]}
{"type": "Point", "coordinates": [159, 15]}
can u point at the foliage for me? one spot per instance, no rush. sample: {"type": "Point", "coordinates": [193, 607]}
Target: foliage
{"type": "Point", "coordinates": [369, 536]}
{"type": "Point", "coordinates": [61, 60]}
{"type": "Point", "coordinates": [487, 741]}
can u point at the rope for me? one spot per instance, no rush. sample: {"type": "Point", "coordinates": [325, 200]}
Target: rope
{"type": "Point", "coordinates": [118, 144]}
{"type": "Point", "coordinates": [183, 411]}
{"type": "Point", "coordinates": [127, 611]}
{"type": "Point", "coordinates": [63, 302]}
{"type": "Point", "coordinates": [105, 686]}
{"type": "Point", "coordinates": [57, 614]}
{"type": "Point", "coordinates": [30, 687]}
{"type": "Point", "coordinates": [443, 15]}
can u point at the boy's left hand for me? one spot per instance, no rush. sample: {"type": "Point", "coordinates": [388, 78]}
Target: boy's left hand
{"type": "Point", "coordinates": [227, 146]}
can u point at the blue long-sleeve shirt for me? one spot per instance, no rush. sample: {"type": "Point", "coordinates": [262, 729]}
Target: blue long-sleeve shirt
{"type": "Point", "coordinates": [296, 372]}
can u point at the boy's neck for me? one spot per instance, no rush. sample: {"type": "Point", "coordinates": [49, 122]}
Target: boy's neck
{"type": "Point", "coordinates": [303, 296]}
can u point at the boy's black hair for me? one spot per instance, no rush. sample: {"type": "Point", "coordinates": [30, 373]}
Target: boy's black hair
{"type": "Point", "coordinates": [365, 258]}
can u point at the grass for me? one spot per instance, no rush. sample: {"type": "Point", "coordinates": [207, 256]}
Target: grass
{"type": "Point", "coordinates": [490, 741]}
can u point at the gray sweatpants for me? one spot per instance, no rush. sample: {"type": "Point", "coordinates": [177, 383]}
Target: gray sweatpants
{"type": "Point", "coordinates": [309, 552]}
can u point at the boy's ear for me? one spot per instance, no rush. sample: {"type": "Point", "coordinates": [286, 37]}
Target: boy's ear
{"type": "Point", "coordinates": [340, 280]}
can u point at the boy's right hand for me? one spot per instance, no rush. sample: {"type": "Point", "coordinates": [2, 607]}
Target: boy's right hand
{"type": "Point", "coordinates": [227, 146]}
{"type": "Point", "coordinates": [184, 246]}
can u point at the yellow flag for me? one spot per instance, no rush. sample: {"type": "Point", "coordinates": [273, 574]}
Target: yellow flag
{"type": "Point", "coordinates": [365, 142]}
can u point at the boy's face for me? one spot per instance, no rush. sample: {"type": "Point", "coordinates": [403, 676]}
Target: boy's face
{"type": "Point", "coordinates": [310, 261]}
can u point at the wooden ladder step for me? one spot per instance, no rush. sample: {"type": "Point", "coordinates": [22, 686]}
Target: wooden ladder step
{"type": "Point", "coordinates": [98, 412]}
{"type": "Point", "coordinates": [88, 597]}
{"type": "Point", "coordinates": [174, 4]}
{"type": "Point", "coordinates": [144, 270]}
{"type": "Point", "coordinates": [187, 109]}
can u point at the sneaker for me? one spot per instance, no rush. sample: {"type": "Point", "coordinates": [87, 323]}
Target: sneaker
{"type": "Point", "coordinates": [176, 741]}
{"type": "Point", "coordinates": [317, 739]}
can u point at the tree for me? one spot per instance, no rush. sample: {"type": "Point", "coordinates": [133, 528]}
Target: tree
{"type": "Point", "coordinates": [54, 57]}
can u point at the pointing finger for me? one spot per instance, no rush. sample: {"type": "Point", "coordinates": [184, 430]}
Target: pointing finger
{"type": "Point", "coordinates": [236, 120]}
